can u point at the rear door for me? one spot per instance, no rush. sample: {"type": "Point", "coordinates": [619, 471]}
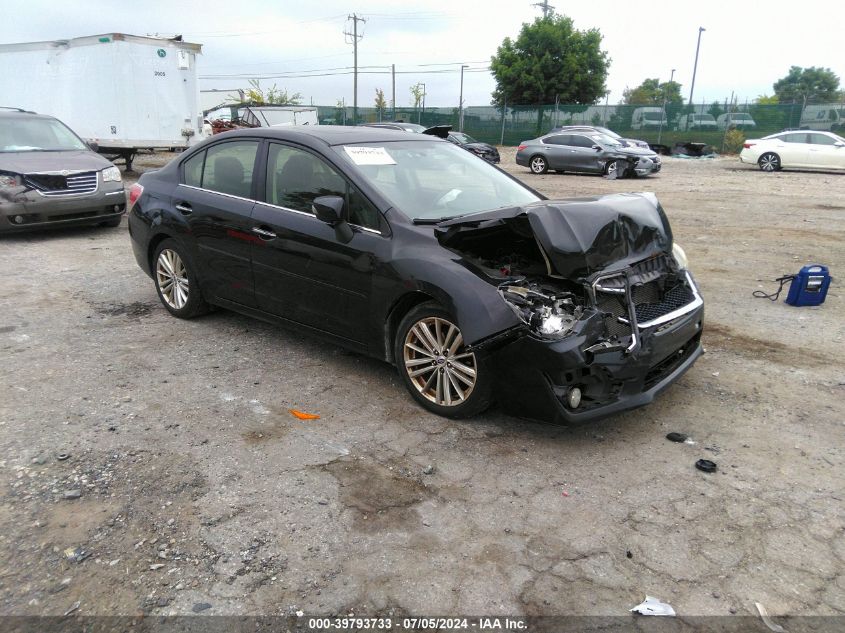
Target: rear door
{"type": "Point", "coordinates": [556, 151]}
{"type": "Point", "coordinates": [794, 149]}
{"type": "Point", "coordinates": [216, 197]}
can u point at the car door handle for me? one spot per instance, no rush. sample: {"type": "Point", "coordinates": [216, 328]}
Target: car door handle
{"type": "Point", "coordinates": [184, 208]}
{"type": "Point", "coordinates": [264, 234]}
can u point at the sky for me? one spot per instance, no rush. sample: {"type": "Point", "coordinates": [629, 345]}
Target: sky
{"type": "Point", "coordinates": [746, 46]}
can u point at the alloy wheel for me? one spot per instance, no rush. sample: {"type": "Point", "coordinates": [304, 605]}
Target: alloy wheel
{"type": "Point", "coordinates": [172, 279]}
{"type": "Point", "coordinates": [538, 164]}
{"type": "Point", "coordinates": [437, 363]}
{"type": "Point", "coordinates": [769, 162]}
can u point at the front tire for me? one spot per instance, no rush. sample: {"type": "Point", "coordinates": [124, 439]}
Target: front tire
{"type": "Point", "coordinates": [769, 162]}
{"type": "Point", "coordinates": [435, 366]}
{"type": "Point", "coordinates": [538, 165]}
{"type": "Point", "coordinates": [176, 282]}
{"type": "Point", "coordinates": [612, 169]}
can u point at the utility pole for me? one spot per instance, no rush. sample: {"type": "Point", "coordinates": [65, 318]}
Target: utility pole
{"type": "Point", "coordinates": [355, 37]}
{"type": "Point", "coordinates": [393, 80]}
{"type": "Point", "coordinates": [423, 103]}
{"type": "Point", "coordinates": [461, 102]}
{"type": "Point", "coordinates": [701, 29]}
{"type": "Point", "coordinates": [545, 6]}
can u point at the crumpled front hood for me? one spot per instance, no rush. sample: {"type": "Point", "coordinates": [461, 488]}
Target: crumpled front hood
{"type": "Point", "coordinates": [581, 236]}
{"type": "Point", "coordinates": [37, 161]}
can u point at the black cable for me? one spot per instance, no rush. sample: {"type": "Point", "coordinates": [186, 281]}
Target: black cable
{"type": "Point", "coordinates": [774, 296]}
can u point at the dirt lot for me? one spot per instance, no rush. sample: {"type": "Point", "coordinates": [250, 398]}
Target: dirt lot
{"type": "Point", "coordinates": [198, 491]}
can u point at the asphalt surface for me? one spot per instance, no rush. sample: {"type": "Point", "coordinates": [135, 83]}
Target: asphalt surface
{"type": "Point", "coordinates": [189, 487]}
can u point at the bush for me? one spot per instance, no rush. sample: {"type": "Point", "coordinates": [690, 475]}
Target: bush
{"type": "Point", "coordinates": [733, 141]}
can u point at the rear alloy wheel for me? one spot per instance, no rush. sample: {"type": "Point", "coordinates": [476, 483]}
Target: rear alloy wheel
{"type": "Point", "coordinates": [436, 367]}
{"type": "Point", "coordinates": [538, 165]}
{"type": "Point", "coordinates": [176, 283]}
{"type": "Point", "coordinates": [769, 162]}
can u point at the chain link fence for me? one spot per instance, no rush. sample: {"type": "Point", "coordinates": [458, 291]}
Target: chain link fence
{"type": "Point", "coordinates": [706, 122]}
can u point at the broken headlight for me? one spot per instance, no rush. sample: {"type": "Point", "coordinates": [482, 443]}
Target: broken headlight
{"type": "Point", "coordinates": [548, 313]}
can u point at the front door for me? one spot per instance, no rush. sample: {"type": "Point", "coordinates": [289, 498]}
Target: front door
{"type": "Point", "coordinates": [302, 271]}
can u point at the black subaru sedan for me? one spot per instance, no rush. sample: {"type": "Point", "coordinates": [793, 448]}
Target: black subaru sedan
{"type": "Point", "coordinates": [407, 248]}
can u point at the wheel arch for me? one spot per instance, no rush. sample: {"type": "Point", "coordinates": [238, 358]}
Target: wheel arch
{"type": "Point", "coordinates": [402, 306]}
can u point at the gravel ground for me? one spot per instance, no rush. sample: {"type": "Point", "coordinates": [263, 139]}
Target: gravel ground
{"type": "Point", "coordinates": [189, 487]}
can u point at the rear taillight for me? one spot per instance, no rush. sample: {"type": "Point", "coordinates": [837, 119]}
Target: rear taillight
{"type": "Point", "coordinates": [521, 147]}
{"type": "Point", "coordinates": [748, 145]}
{"type": "Point", "coordinates": [135, 192]}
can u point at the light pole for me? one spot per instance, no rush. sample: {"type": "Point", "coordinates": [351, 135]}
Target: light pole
{"type": "Point", "coordinates": [461, 102]}
{"type": "Point", "coordinates": [701, 30]}
{"type": "Point", "coordinates": [423, 103]}
{"type": "Point", "coordinates": [663, 108]}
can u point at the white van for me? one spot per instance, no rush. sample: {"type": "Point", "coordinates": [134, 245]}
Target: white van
{"type": "Point", "coordinates": [739, 120]}
{"type": "Point", "coordinates": [827, 116]}
{"type": "Point", "coordinates": [648, 118]}
{"type": "Point", "coordinates": [697, 122]}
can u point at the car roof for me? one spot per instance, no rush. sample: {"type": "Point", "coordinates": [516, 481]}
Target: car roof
{"type": "Point", "coordinates": [317, 135]}
{"type": "Point", "coordinates": [17, 113]}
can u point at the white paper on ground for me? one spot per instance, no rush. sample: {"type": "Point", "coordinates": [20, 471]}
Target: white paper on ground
{"type": "Point", "coordinates": [653, 606]}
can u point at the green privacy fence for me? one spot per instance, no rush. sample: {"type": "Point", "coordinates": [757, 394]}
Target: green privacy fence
{"type": "Point", "coordinates": [705, 122]}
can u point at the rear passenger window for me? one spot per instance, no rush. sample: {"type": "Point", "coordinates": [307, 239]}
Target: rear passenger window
{"type": "Point", "coordinates": [193, 169]}
{"type": "Point", "coordinates": [228, 168]}
{"type": "Point", "coordinates": [560, 139]}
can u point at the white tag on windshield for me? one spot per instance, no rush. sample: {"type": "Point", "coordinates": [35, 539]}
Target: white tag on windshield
{"type": "Point", "coordinates": [369, 155]}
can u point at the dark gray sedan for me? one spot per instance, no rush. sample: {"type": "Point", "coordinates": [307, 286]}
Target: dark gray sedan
{"type": "Point", "coordinates": [588, 153]}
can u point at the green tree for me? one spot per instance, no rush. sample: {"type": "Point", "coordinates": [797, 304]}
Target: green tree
{"type": "Point", "coordinates": [416, 95]}
{"type": "Point", "coordinates": [768, 114]}
{"type": "Point", "coordinates": [716, 109]}
{"type": "Point", "coordinates": [550, 60]}
{"type": "Point", "coordinates": [651, 92]}
{"type": "Point", "coordinates": [381, 103]}
{"type": "Point", "coordinates": [272, 96]}
{"type": "Point", "coordinates": [801, 85]}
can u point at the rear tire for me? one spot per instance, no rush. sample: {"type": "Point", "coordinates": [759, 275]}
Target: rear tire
{"type": "Point", "coordinates": [538, 165]}
{"type": "Point", "coordinates": [769, 162]}
{"type": "Point", "coordinates": [176, 281]}
{"type": "Point", "coordinates": [436, 368]}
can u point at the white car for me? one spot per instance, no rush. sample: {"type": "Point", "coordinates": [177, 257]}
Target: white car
{"type": "Point", "coordinates": [739, 120]}
{"type": "Point", "coordinates": [798, 148]}
{"type": "Point", "coordinates": [698, 122]}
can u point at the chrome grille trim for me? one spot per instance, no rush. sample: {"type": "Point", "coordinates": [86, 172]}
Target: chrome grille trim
{"type": "Point", "coordinates": [76, 184]}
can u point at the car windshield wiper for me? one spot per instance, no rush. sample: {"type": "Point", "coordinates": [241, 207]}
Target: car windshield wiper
{"type": "Point", "coordinates": [433, 220]}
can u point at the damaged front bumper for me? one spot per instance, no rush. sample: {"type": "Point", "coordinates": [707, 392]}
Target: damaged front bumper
{"type": "Point", "coordinates": [535, 377]}
{"type": "Point", "coordinates": [23, 209]}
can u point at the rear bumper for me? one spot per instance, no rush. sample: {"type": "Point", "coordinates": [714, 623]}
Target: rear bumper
{"type": "Point", "coordinates": [29, 210]}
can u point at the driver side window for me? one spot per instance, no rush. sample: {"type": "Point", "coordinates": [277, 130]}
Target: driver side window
{"type": "Point", "coordinates": [296, 177]}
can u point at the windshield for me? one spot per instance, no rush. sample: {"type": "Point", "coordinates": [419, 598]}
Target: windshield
{"type": "Point", "coordinates": [604, 139]}
{"type": "Point", "coordinates": [607, 132]}
{"type": "Point", "coordinates": [37, 135]}
{"type": "Point", "coordinates": [433, 180]}
{"type": "Point", "coordinates": [463, 138]}
{"type": "Point", "coordinates": [652, 116]}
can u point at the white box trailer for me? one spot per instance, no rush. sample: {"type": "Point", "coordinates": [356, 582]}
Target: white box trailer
{"type": "Point", "coordinates": [123, 92]}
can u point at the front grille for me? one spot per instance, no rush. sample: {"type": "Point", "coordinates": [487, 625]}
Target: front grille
{"type": "Point", "coordinates": [656, 293]}
{"type": "Point", "coordinates": [59, 185]}
{"type": "Point", "coordinates": [677, 297]}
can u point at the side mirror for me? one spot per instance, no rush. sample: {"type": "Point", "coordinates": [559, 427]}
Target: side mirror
{"type": "Point", "coordinates": [93, 146]}
{"type": "Point", "coordinates": [329, 209]}
{"type": "Point", "coordinates": [839, 144]}
{"type": "Point", "coordinates": [597, 148]}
